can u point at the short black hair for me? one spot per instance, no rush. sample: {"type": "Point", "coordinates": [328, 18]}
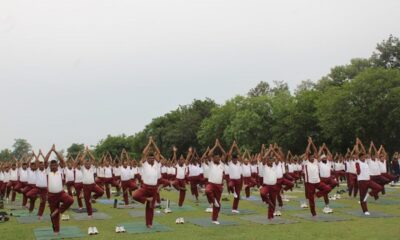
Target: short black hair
{"type": "Point", "coordinates": [53, 161]}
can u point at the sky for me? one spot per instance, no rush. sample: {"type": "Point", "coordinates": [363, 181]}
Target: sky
{"type": "Point", "coordinates": [78, 70]}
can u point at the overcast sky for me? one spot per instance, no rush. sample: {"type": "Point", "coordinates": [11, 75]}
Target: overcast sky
{"type": "Point", "coordinates": [77, 70]}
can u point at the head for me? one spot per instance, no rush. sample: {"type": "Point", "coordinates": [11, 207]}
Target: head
{"type": "Point", "coordinates": [41, 165]}
{"type": "Point", "coordinates": [53, 165]}
{"type": "Point", "coordinates": [151, 158]}
{"type": "Point", "coordinates": [88, 165]}
{"type": "Point", "coordinates": [125, 164]}
{"type": "Point", "coordinates": [24, 165]}
{"type": "Point", "coordinates": [234, 158]}
{"type": "Point", "coordinates": [216, 158]}
{"type": "Point", "coordinates": [362, 157]}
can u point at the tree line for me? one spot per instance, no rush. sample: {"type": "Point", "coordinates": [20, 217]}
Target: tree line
{"type": "Point", "coordinates": [360, 99]}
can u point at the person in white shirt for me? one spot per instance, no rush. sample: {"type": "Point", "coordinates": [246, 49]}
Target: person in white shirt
{"type": "Point", "coordinates": [351, 175]}
{"type": "Point", "coordinates": [127, 181]}
{"type": "Point", "coordinates": [269, 189]}
{"type": "Point", "coordinates": [194, 177]}
{"type": "Point", "coordinates": [13, 181]}
{"type": "Point", "coordinates": [180, 180]}
{"type": "Point", "coordinates": [78, 182]}
{"type": "Point", "coordinates": [89, 184]}
{"type": "Point", "coordinates": [147, 193]}
{"type": "Point", "coordinates": [22, 181]}
{"type": "Point", "coordinates": [215, 177]}
{"type": "Point", "coordinates": [248, 180]}
{"type": "Point", "coordinates": [41, 185]}
{"type": "Point", "coordinates": [235, 180]}
{"type": "Point", "coordinates": [312, 178]}
{"type": "Point", "coordinates": [339, 169]}
{"type": "Point", "coordinates": [365, 182]}
{"type": "Point", "coordinates": [59, 201]}
{"type": "Point", "coordinates": [68, 173]}
{"type": "Point", "coordinates": [326, 177]}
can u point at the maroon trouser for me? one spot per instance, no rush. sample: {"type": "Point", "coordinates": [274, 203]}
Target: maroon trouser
{"type": "Point", "coordinates": [141, 195]}
{"type": "Point", "coordinates": [331, 182]}
{"type": "Point", "coordinates": [339, 174]}
{"type": "Point", "coordinates": [179, 184]}
{"type": "Point", "coordinates": [352, 184]}
{"type": "Point", "coordinates": [69, 185]}
{"type": "Point", "coordinates": [226, 178]}
{"type": "Point", "coordinates": [87, 192]}
{"type": "Point", "coordinates": [280, 182]}
{"type": "Point", "coordinates": [18, 188]}
{"type": "Point", "coordinates": [381, 180]}
{"type": "Point", "coordinates": [128, 186]}
{"type": "Point", "coordinates": [25, 190]}
{"type": "Point", "coordinates": [61, 202]}
{"type": "Point", "coordinates": [235, 185]}
{"type": "Point", "coordinates": [164, 182]}
{"type": "Point", "coordinates": [32, 195]}
{"type": "Point", "coordinates": [2, 189]}
{"type": "Point", "coordinates": [249, 182]}
{"type": "Point", "coordinates": [363, 185]}
{"type": "Point", "coordinates": [78, 190]}
{"type": "Point", "coordinates": [310, 187]}
{"type": "Point", "coordinates": [194, 181]}
{"type": "Point", "coordinates": [268, 195]}
{"type": "Point", "coordinates": [11, 186]}
{"type": "Point", "coordinates": [107, 182]}
{"type": "Point", "coordinates": [214, 192]}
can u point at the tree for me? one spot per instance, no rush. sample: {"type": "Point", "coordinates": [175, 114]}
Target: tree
{"type": "Point", "coordinates": [74, 149]}
{"type": "Point", "coordinates": [21, 147]}
{"type": "Point", "coordinates": [387, 54]}
{"type": "Point", "coordinates": [261, 89]}
{"type": "Point", "coordinates": [114, 145]}
{"type": "Point", "coordinates": [5, 154]}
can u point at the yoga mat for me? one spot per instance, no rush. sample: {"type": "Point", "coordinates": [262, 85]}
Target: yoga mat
{"type": "Point", "coordinates": [140, 227]}
{"type": "Point", "coordinates": [264, 220]}
{"type": "Point", "coordinates": [206, 222]}
{"type": "Point", "coordinates": [241, 212]}
{"type": "Point", "coordinates": [374, 214]}
{"type": "Point", "coordinates": [22, 213]}
{"type": "Point", "coordinates": [96, 216]}
{"type": "Point", "coordinates": [105, 201]}
{"type": "Point", "coordinates": [65, 232]}
{"type": "Point", "coordinates": [83, 210]}
{"type": "Point", "coordinates": [176, 208]}
{"type": "Point", "coordinates": [32, 219]}
{"type": "Point", "coordinates": [140, 213]}
{"type": "Point", "coordinates": [251, 198]}
{"type": "Point", "coordinates": [320, 217]}
{"type": "Point", "coordinates": [385, 201]}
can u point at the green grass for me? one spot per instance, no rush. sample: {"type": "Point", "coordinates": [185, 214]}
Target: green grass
{"type": "Point", "coordinates": [356, 228]}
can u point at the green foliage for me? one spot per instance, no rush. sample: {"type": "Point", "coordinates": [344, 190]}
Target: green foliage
{"type": "Point", "coordinates": [387, 54]}
{"type": "Point", "coordinates": [21, 148]}
{"type": "Point", "coordinates": [5, 154]}
{"type": "Point", "coordinates": [74, 149]}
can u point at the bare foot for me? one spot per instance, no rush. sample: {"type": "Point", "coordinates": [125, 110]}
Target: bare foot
{"type": "Point", "coordinates": [56, 233]}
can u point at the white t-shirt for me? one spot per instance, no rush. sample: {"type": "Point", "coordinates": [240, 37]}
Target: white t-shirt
{"type": "Point", "coordinates": [41, 178]}
{"type": "Point", "coordinates": [312, 172]}
{"type": "Point", "coordinates": [234, 170]}
{"type": "Point", "coordinates": [216, 172]}
{"type": "Point", "coordinates": [269, 175]}
{"type": "Point", "coordinates": [55, 182]}
{"type": "Point", "coordinates": [374, 169]}
{"type": "Point", "coordinates": [126, 173]}
{"type": "Point", "coordinates": [246, 170]}
{"type": "Point", "coordinates": [325, 169]}
{"type": "Point", "coordinates": [364, 171]}
{"type": "Point", "coordinates": [150, 173]}
{"type": "Point", "coordinates": [88, 175]}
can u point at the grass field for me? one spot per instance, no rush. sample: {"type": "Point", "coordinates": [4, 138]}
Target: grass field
{"type": "Point", "coordinates": [353, 228]}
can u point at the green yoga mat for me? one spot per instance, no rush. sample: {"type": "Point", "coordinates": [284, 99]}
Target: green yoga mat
{"type": "Point", "coordinates": [22, 213]}
{"type": "Point", "coordinates": [83, 210]}
{"type": "Point", "coordinates": [374, 214]}
{"type": "Point", "coordinates": [228, 211]}
{"type": "Point", "coordinates": [384, 201]}
{"type": "Point", "coordinates": [140, 227]}
{"type": "Point", "coordinates": [264, 220]}
{"type": "Point", "coordinates": [321, 217]}
{"type": "Point", "coordinates": [96, 216]}
{"type": "Point", "coordinates": [206, 222]}
{"type": "Point", "coordinates": [176, 208]}
{"type": "Point", "coordinates": [65, 232]}
{"type": "Point", "coordinates": [32, 219]}
{"type": "Point", "coordinates": [140, 213]}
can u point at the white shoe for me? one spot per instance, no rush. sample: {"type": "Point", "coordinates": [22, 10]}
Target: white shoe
{"type": "Point", "coordinates": [167, 210]}
{"type": "Point", "coordinates": [95, 231]}
{"type": "Point", "coordinates": [209, 210]}
{"type": "Point", "coordinates": [330, 210]}
{"type": "Point", "coordinates": [178, 221]}
{"type": "Point", "coordinates": [235, 195]}
{"type": "Point", "coordinates": [303, 205]}
{"type": "Point", "coordinates": [338, 196]}
{"type": "Point", "coordinates": [122, 228]}
{"type": "Point", "coordinates": [216, 204]}
{"type": "Point", "coordinates": [325, 210]}
{"type": "Point", "coordinates": [117, 229]}
{"type": "Point", "coordinates": [235, 211]}
{"type": "Point", "coordinates": [285, 199]}
{"type": "Point", "coordinates": [278, 213]}
{"type": "Point", "coordinates": [216, 222]}
{"type": "Point", "coordinates": [182, 221]}
{"type": "Point", "coordinates": [367, 214]}
{"type": "Point", "coordinates": [90, 231]}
